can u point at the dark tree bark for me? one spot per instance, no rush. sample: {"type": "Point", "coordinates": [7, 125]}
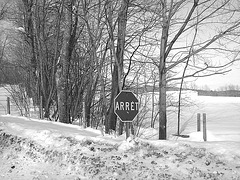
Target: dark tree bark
{"type": "Point", "coordinates": [118, 64]}
{"type": "Point", "coordinates": [162, 75]}
{"type": "Point", "coordinates": [164, 52]}
{"type": "Point", "coordinates": [67, 48]}
{"type": "Point", "coordinates": [33, 85]}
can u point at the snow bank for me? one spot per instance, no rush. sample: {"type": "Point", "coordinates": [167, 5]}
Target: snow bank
{"type": "Point", "coordinates": [33, 149]}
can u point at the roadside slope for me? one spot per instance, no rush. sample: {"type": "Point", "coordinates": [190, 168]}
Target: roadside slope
{"type": "Point", "coordinates": [33, 149]}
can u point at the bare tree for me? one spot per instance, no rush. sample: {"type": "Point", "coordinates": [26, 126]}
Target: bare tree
{"type": "Point", "coordinates": [68, 44]}
{"type": "Point", "coordinates": [78, 54]}
{"type": "Point", "coordinates": [171, 56]}
{"type": "Point", "coordinates": [118, 54]}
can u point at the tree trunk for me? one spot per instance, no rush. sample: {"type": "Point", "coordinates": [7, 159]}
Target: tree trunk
{"type": "Point", "coordinates": [153, 102]}
{"type": "Point", "coordinates": [162, 106]}
{"type": "Point", "coordinates": [63, 104]}
{"type": "Point", "coordinates": [89, 98]}
{"type": "Point", "coordinates": [111, 121]}
{"type": "Point", "coordinates": [118, 66]}
{"type": "Point", "coordinates": [87, 113]}
{"type": "Point", "coordinates": [162, 76]}
{"type": "Point", "coordinates": [30, 39]}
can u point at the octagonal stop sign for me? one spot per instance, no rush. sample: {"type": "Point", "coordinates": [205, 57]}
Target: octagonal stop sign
{"type": "Point", "coordinates": [126, 106]}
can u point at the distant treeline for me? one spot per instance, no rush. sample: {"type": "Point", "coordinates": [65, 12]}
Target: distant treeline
{"type": "Point", "coordinates": [229, 93]}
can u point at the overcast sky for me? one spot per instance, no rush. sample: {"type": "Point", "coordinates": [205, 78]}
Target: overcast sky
{"type": "Point", "coordinates": [217, 81]}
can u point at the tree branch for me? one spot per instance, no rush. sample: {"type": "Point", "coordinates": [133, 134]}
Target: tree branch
{"type": "Point", "coordinates": [220, 35]}
{"type": "Point", "coordinates": [182, 28]}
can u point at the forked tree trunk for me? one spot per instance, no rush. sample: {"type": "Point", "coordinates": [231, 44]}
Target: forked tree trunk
{"type": "Point", "coordinates": [118, 64]}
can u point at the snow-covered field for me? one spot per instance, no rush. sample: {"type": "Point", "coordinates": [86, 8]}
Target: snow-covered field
{"type": "Point", "coordinates": [223, 117]}
{"type": "Point", "coordinates": [38, 149]}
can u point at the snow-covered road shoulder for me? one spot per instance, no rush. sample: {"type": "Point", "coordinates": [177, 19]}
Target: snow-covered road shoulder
{"type": "Point", "coordinates": [36, 149]}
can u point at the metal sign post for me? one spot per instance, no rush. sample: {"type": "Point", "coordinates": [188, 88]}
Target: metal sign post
{"type": "Point", "coordinates": [126, 107]}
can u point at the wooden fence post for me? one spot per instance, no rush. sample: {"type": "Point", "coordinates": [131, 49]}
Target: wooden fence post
{"type": "Point", "coordinates": [204, 127]}
{"type": "Point", "coordinates": [41, 107]}
{"type": "Point", "coordinates": [127, 129]}
{"type": "Point", "coordinates": [8, 105]}
{"type": "Point", "coordinates": [198, 122]}
{"type": "Point", "coordinates": [84, 122]}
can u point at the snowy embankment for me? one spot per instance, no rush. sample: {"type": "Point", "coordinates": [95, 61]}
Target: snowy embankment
{"type": "Point", "coordinates": [34, 149]}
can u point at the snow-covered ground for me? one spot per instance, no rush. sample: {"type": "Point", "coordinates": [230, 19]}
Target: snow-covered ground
{"type": "Point", "coordinates": [38, 149]}
{"type": "Point", "coordinates": [223, 117]}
